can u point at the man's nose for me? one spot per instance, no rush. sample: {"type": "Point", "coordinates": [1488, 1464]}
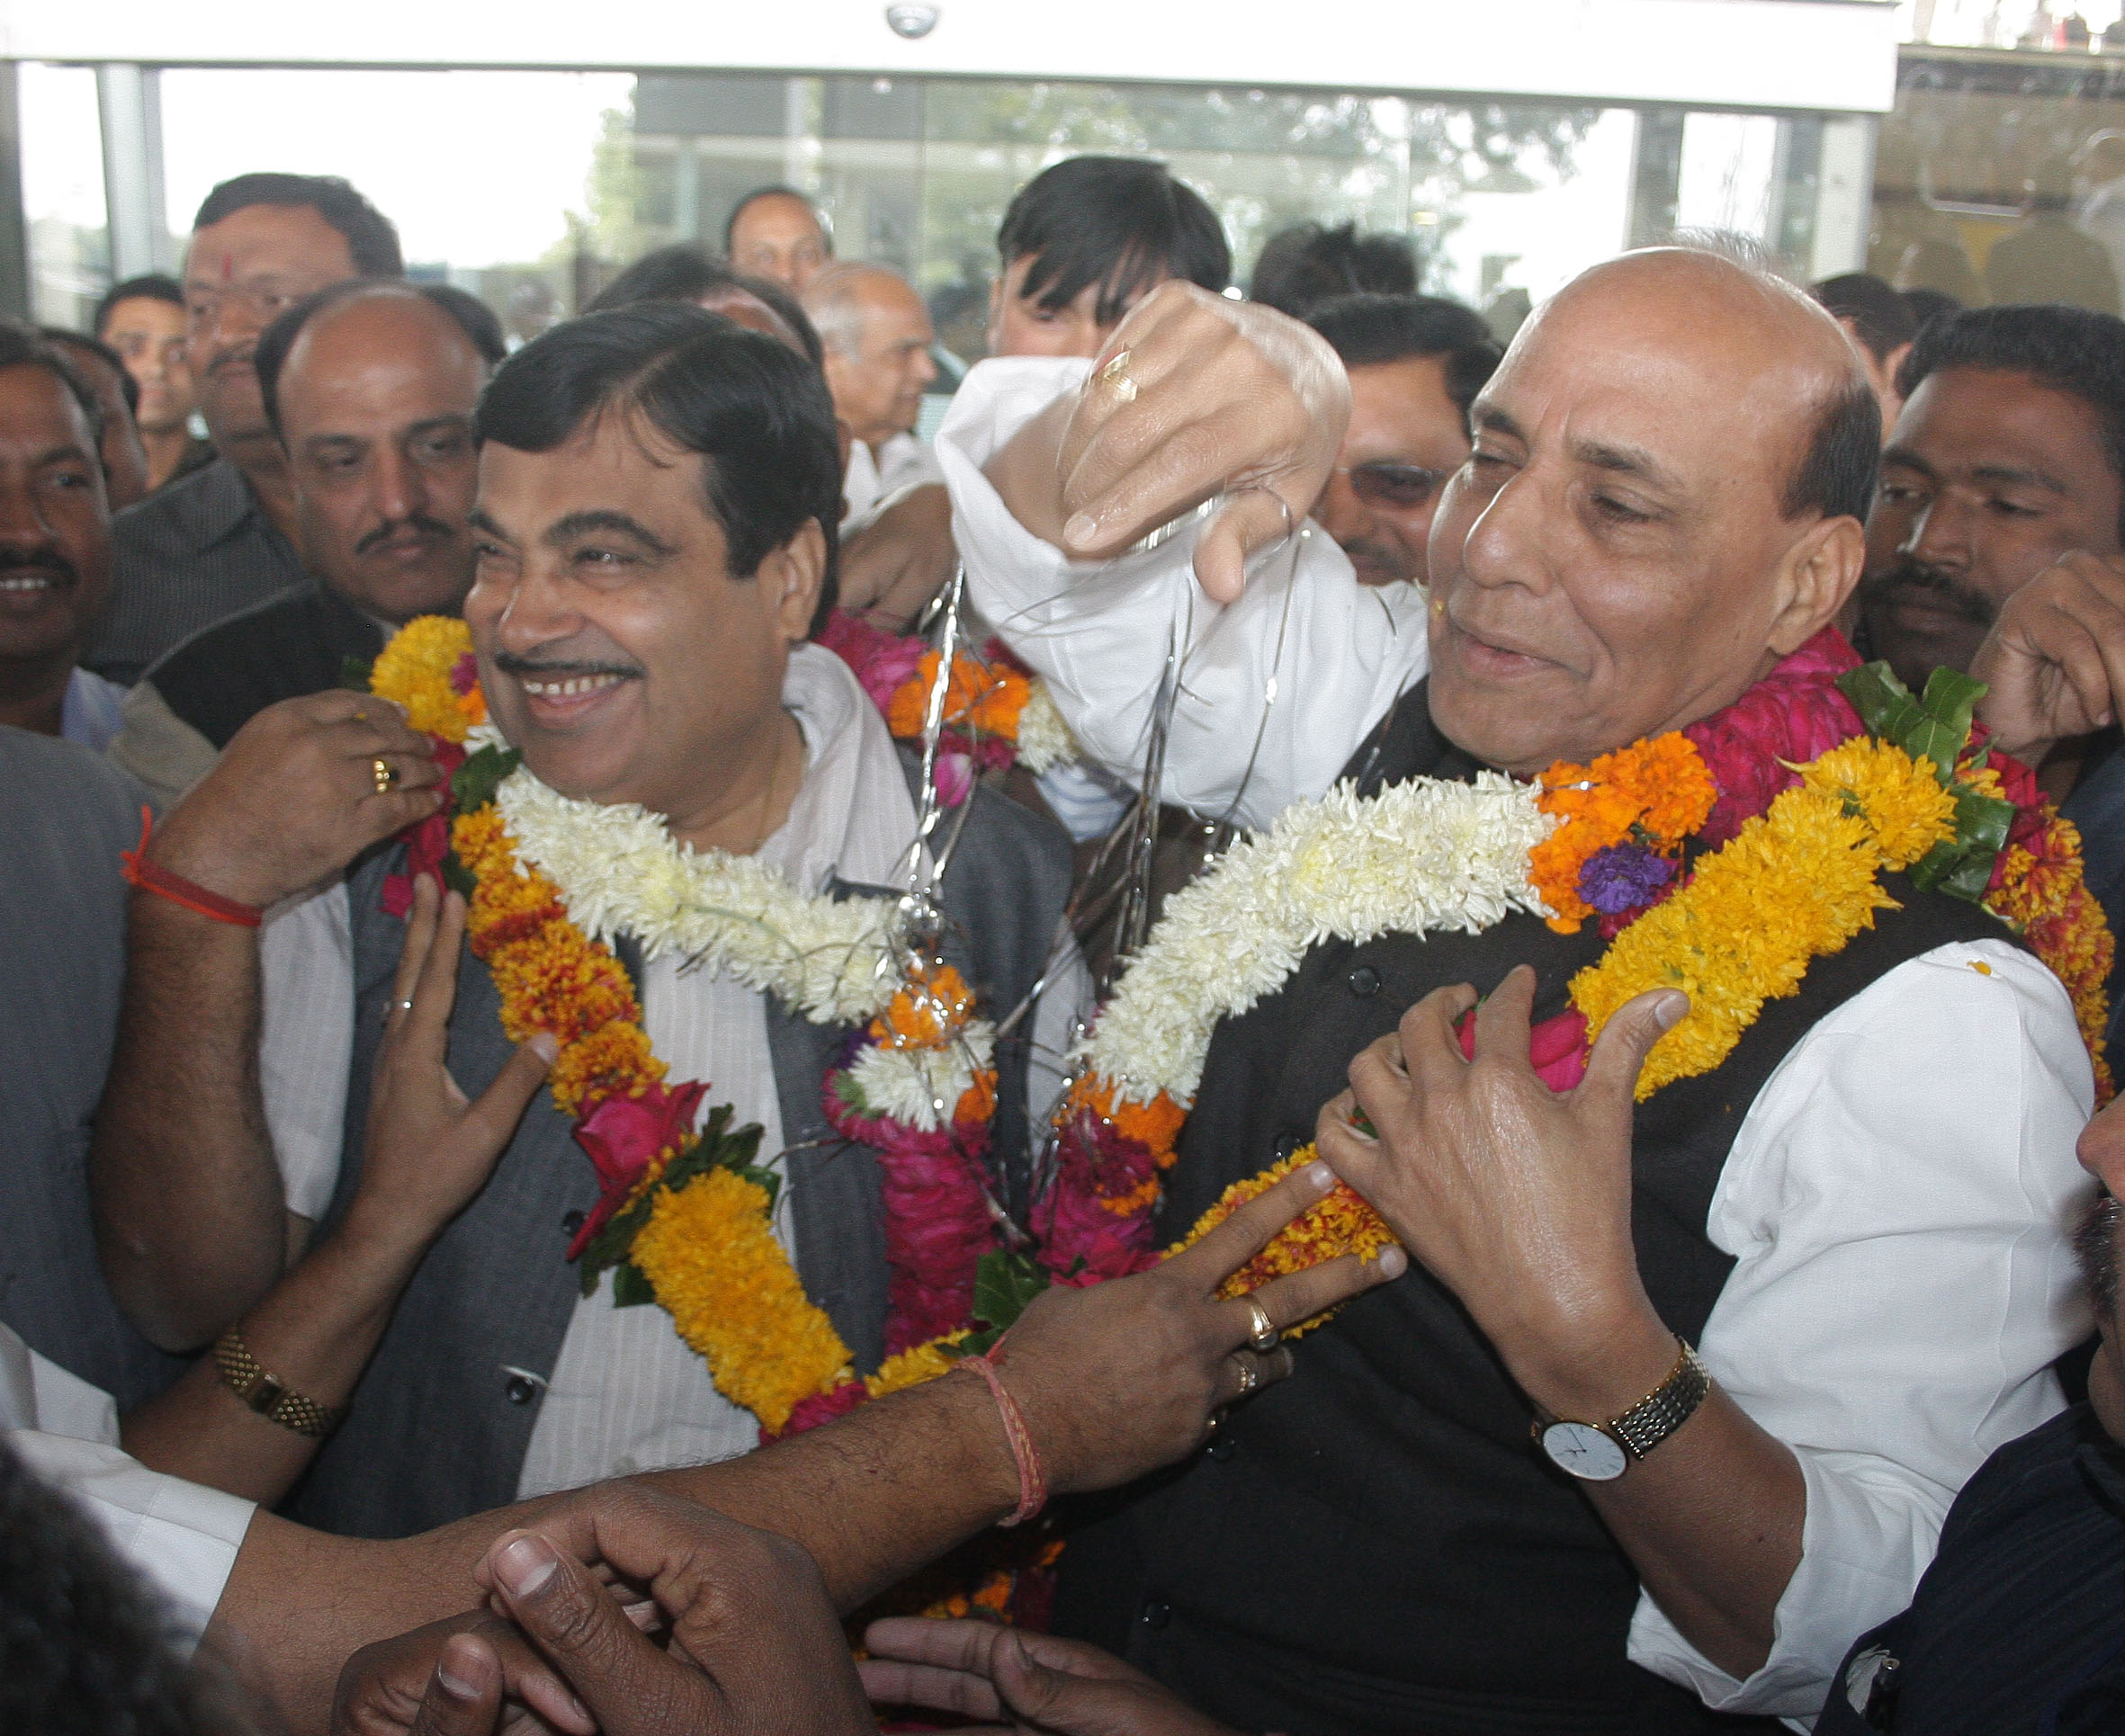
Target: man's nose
{"type": "Point", "coordinates": [397, 488]}
{"type": "Point", "coordinates": [1504, 545]}
{"type": "Point", "coordinates": [537, 612]}
{"type": "Point", "coordinates": [23, 522]}
{"type": "Point", "coordinates": [1940, 535]}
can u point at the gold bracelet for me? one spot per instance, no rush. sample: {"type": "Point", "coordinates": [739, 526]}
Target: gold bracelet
{"type": "Point", "coordinates": [268, 1394]}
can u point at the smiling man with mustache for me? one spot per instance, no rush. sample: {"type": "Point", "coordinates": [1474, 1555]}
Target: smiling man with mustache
{"type": "Point", "coordinates": [370, 388]}
{"type": "Point", "coordinates": [1861, 1218]}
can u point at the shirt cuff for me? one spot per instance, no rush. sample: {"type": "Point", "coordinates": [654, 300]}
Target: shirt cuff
{"type": "Point", "coordinates": [1871, 1531]}
{"type": "Point", "coordinates": [182, 1537]}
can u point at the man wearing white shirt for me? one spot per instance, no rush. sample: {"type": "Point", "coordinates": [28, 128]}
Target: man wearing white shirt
{"type": "Point", "coordinates": [630, 663]}
{"type": "Point", "coordinates": [1861, 1218]}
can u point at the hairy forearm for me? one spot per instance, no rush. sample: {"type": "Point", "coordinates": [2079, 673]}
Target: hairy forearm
{"type": "Point", "coordinates": [315, 1330]}
{"type": "Point", "coordinates": [873, 1496]}
{"type": "Point", "coordinates": [190, 1223]}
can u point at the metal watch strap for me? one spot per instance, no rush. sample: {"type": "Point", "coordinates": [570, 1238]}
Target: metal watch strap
{"type": "Point", "coordinates": [1664, 1409]}
{"type": "Point", "coordinates": [267, 1393]}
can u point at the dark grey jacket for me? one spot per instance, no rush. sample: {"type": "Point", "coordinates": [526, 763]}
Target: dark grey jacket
{"type": "Point", "coordinates": [441, 1421]}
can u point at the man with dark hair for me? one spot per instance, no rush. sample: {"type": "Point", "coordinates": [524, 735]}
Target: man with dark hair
{"type": "Point", "coordinates": [1928, 305]}
{"type": "Point", "coordinates": [2010, 453]}
{"type": "Point", "coordinates": [658, 497]}
{"type": "Point", "coordinates": [370, 387]}
{"type": "Point", "coordinates": [1655, 528]}
{"type": "Point", "coordinates": [686, 272]}
{"type": "Point", "coordinates": [777, 233]}
{"type": "Point", "coordinates": [1083, 242]}
{"type": "Point", "coordinates": [117, 393]}
{"type": "Point", "coordinates": [143, 319]}
{"type": "Point", "coordinates": [1308, 264]}
{"type": "Point", "coordinates": [1880, 322]}
{"type": "Point", "coordinates": [222, 538]}
{"type": "Point", "coordinates": [1415, 364]}
{"type": "Point", "coordinates": [55, 544]}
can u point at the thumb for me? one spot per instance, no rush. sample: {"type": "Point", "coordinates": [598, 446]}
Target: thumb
{"type": "Point", "coordinates": [465, 1697]}
{"type": "Point", "coordinates": [1253, 518]}
{"type": "Point", "coordinates": [501, 1106]}
{"type": "Point", "coordinates": [1619, 1052]}
{"type": "Point", "coordinates": [562, 1609]}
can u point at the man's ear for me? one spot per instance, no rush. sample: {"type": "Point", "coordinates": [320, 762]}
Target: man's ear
{"type": "Point", "coordinates": [1819, 573]}
{"type": "Point", "coordinates": [793, 575]}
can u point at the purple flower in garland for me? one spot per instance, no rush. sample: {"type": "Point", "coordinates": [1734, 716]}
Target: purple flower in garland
{"type": "Point", "coordinates": [1623, 877]}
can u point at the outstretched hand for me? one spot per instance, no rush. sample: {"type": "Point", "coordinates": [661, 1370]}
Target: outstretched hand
{"type": "Point", "coordinates": [2054, 662]}
{"type": "Point", "coordinates": [1213, 396]}
{"type": "Point", "coordinates": [1517, 1198]}
{"type": "Point", "coordinates": [1123, 1377]}
{"type": "Point", "coordinates": [427, 1150]}
{"type": "Point", "coordinates": [1030, 1684]}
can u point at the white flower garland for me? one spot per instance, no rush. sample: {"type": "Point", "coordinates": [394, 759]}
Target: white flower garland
{"type": "Point", "coordinates": [1420, 857]}
{"type": "Point", "coordinates": [1044, 738]}
{"type": "Point", "coordinates": [621, 872]}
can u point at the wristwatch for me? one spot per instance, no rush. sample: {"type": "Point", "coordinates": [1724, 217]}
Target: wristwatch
{"type": "Point", "coordinates": [1599, 1453]}
{"type": "Point", "coordinates": [267, 1393]}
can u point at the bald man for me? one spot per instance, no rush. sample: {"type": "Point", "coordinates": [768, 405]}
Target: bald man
{"type": "Point", "coordinates": [1498, 1495]}
{"type": "Point", "coordinates": [774, 233]}
{"type": "Point", "coordinates": [370, 387]}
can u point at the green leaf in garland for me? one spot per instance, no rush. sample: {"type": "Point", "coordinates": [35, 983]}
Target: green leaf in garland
{"type": "Point", "coordinates": [473, 785]}
{"type": "Point", "coordinates": [630, 1289]}
{"type": "Point", "coordinates": [353, 674]}
{"type": "Point", "coordinates": [1935, 727]}
{"type": "Point", "coordinates": [1962, 866]}
{"type": "Point", "coordinates": [1005, 1285]}
{"type": "Point", "coordinates": [458, 877]}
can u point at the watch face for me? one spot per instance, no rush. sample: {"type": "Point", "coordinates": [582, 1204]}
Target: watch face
{"type": "Point", "coordinates": [1585, 1451]}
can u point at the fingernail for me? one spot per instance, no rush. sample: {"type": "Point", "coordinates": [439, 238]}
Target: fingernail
{"type": "Point", "coordinates": [524, 1567]}
{"type": "Point", "coordinates": [1670, 1008]}
{"type": "Point", "coordinates": [462, 1670]}
{"type": "Point", "coordinates": [545, 1045]}
{"type": "Point", "coordinates": [1080, 530]}
{"type": "Point", "coordinates": [1320, 1176]}
{"type": "Point", "coordinates": [1393, 1262]}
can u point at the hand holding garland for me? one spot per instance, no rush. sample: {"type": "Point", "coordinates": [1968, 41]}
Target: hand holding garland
{"type": "Point", "coordinates": [1519, 1200]}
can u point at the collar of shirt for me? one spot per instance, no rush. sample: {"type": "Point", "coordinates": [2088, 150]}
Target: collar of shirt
{"type": "Point", "coordinates": [853, 818]}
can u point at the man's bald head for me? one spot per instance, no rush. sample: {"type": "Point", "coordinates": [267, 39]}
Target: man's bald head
{"type": "Point", "coordinates": [877, 336]}
{"type": "Point", "coordinates": [1664, 499]}
{"type": "Point", "coordinates": [372, 389]}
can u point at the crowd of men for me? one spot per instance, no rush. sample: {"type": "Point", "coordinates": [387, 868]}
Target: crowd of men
{"type": "Point", "coordinates": [309, 1423]}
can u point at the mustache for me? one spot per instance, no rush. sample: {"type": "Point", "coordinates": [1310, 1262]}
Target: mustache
{"type": "Point", "coordinates": [45, 560]}
{"type": "Point", "coordinates": [237, 356]}
{"type": "Point", "coordinates": [432, 528]}
{"type": "Point", "coordinates": [1937, 586]}
{"type": "Point", "coordinates": [2095, 1243]}
{"type": "Point", "coordinates": [511, 663]}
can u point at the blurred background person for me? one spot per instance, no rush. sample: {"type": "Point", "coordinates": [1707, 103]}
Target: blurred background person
{"type": "Point", "coordinates": [125, 462]}
{"type": "Point", "coordinates": [1083, 242]}
{"type": "Point", "coordinates": [2045, 258]}
{"type": "Point", "coordinates": [1880, 322]}
{"type": "Point", "coordinates": [688, 271]}
{"type": "Point", "coordinates": [1309, 264]}
{"type": "Point", "coordinates": [143, 319]}
{"type": "Point", "coordinates": [777, 233]}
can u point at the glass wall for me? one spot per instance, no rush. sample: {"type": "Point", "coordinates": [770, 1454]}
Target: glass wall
{"type": "Point", "coordinates": [2001, 177]}
{"type": "Point", "coordinates": [533, 188]}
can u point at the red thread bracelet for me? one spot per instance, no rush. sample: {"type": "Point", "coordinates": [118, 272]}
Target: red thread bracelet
{"type": "Point", "coordinates": [141, 872]}
{"type": "Point", "coordinates": [1033, 1488]}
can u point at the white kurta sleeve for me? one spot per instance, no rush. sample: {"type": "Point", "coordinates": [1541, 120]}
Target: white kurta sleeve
{"type": "Point", "coordinates": [1901, 1202]}
{"type": "Point", "coordinates": [307, 1041]}
{"type": "Point", "coordinates": [1277, 690]}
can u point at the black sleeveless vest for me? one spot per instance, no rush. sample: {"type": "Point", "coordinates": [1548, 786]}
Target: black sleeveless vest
{"type": "Point", "coordinates": [1376, 1545]}
{"type": "Point", "coordinates": [439, 1424]}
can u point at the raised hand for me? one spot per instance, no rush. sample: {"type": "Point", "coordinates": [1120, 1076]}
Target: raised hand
{"type": "Point", "coordinates": [427, 1152]}
{"type": "Point", "coordinates": [1123, 1377]}
{"type": "Point", "coordinates": [2055, 659]}
{"type": "Point", "coordinates": [1032, 1683]}
{"type": "Point", "coordinates": [1195, 395]}
{"type": "Point", "coordinates": [294, 797]}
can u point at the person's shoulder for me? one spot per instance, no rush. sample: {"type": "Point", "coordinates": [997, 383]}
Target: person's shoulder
{"type": "Point", "coordinates": [44, 775]}
{"type": "Point", "coordinates": [293, 613]}
{"type": "Point", "coordinates": [191, 507]}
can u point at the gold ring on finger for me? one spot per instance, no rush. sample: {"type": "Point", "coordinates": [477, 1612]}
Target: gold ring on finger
{"type": "Point", "coordinates": [1115, 374]}
{"type": "Point", "coordinates": [385, 774]}
{"type": "Point", "coordinates": [1249, 1375]}
{"type": "Point", "coordinates": [1264, 1338]}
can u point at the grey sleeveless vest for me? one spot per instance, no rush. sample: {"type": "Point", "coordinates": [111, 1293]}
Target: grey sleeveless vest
{"type": "Point", "coordinates": [439, 1425]}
